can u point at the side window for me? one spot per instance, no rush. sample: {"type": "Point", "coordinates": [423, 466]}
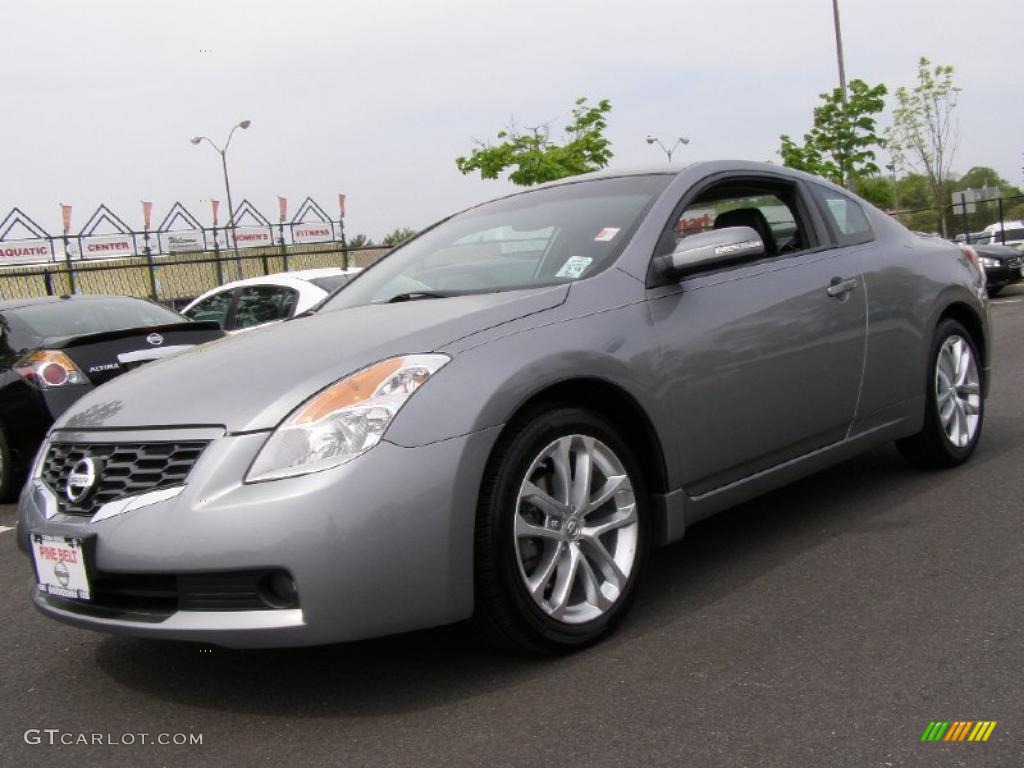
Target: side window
{"type": "Point", "coordinates": [260, 304]}
{"type": "Point", "coordinates": [845, 217]}
{"type": "Point", "coordinates": [770, 212]}
{"type": "Point", "coordinates": [212, 308]}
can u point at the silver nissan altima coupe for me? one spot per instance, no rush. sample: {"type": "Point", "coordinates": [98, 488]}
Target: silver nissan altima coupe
{"type": "Point", "coordinates": [501, 417]}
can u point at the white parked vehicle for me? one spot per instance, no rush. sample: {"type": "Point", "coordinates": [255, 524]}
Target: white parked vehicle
{"type": "Point", "coordinates": [1010, 232]}
{"type": "Point", "coordinates": [255, 301]}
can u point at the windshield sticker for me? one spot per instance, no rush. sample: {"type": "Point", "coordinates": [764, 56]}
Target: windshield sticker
{"type": "Point", "coordinates": [574, 267]}
{"type": "Point", "coordinates": [606, 235]}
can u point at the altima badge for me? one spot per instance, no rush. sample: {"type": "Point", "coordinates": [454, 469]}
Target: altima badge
{"type": "Point", "coordinates": [155, 339]}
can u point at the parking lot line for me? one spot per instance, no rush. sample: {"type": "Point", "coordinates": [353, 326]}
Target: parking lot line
{"type": "Point", "coordinates": [5, 528]}
{"type": "Point", "coordinates": [1006, 301]}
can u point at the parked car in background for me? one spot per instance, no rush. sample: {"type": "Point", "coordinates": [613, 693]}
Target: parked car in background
{"type": "Point", "coordinates": [974, 237]}
{"type": "Point", "coordinates": [541, 387]}
{"type": "Point", "coordinates": [1003, 266]}
{"type": "Point", "coordinates": [53, 350]}
{"type": "Point", "coordinates": [255, 301]}
{"type": "Point", "coordinates": [1010, 233]}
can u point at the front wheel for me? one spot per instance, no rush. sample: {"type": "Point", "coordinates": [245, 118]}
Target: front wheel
{"type": "Point", "coordinates": [562, 533]}
{"type": "Point", "coordinates": [955, 409]}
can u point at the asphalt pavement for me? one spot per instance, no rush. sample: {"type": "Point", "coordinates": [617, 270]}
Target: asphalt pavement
{"type": "Point", "coordinates": [825, 624]}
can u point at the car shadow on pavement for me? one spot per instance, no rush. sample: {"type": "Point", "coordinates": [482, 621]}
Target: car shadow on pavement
{"type": "Point", "coordinates": [422, 670]}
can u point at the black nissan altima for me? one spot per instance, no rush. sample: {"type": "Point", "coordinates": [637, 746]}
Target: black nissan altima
{"type": "Point", "coordinates": [1003, 266]}
{"type": "Point", "coordinates": [55, 349]}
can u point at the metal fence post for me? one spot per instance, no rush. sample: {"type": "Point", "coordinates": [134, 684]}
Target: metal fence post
{"type": "Point", "coordinates": [963, 215]}
{"type": "Point", "coordinates": [344, 245]}
{"type": "Point", "coordinates": [1002, 224]}
{"type": "Point", "coordinates": [152, 274]}
{"type": "Point", "coordinates": [48, 282]}
{"type": "Point", "coordinates": [284, 247]}
{"type": "Point", "coordinates": [216, 256]}
{"type": "Point", "coordinates": [67, 260]}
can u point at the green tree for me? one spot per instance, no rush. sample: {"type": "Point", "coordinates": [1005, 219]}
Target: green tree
{"type": "Point", "coordinates": [359, 241]}
{"type": "Point", "coordinates": [397, 236]}
{"type": "Point", "coordinates": [537, 158]}
{"type": "Point", "coordinates": [877, 190]}
{"type": "Point", "coordinates": [840, 145]}
{"type": "Point", "coordinates": [983, 176]}
{"type": "Point", "coordinates": [915, 199]}
{"type": "Point", "coordinates": [924, 129]}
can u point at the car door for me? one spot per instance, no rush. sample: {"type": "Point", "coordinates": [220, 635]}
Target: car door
{"type": "Point", "coordinates": [764, 360]}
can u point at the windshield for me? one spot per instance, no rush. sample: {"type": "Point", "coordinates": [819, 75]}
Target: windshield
{"type": "Point", "coordinates": [545, 237]}
{"type": "Point", "coordinates": [74, 318]}
{"type": "Point", "coordinates": [997, 237]}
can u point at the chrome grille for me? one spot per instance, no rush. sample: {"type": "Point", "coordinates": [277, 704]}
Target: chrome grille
{"type": "Point", "coordinates": [126, 469]}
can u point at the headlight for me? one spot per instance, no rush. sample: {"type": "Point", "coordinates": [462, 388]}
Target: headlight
{"type": "Point", "coordinates": [345, 420]}
{"type": "Point", "coordinates": [987, 262]}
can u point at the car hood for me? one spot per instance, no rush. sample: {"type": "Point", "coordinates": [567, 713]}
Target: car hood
{"type": "Point", "coordinates": [252, 381]}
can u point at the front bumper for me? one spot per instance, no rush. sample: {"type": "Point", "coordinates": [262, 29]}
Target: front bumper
{"type": "Point", "coordinates": [381, 545]}
{"type": "Point", "coordinates": [999, 277]}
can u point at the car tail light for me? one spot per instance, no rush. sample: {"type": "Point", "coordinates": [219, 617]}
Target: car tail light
{"type": "Point", "coordinates": [49, 368]}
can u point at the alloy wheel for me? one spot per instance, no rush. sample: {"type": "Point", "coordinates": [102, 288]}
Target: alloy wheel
{"type": "Point", "coordinates": [576, 529]}
{"type": "Point", "coordinates": [958, 391]}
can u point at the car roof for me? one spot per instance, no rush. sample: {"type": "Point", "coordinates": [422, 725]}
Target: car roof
{"type": "Point", "coordinates": [997, 227]}
{"type": "Point", "coordinates": [9, 304]}
{"type": "Point", "coordinates": [287, 278]}
{"type": "Point", "coordinates": [300, 279]}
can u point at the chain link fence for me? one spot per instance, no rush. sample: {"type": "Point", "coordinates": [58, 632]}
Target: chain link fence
{"type": "Point", "coordinates": [176, 279]}
{"type": "Point", "coordinates": [1000, 216]}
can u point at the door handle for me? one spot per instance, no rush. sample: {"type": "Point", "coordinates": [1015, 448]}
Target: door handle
{"type": "Point", "coordinates": [839, 287]}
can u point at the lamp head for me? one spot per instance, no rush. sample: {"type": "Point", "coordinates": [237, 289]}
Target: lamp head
{"type": "Point", "coordinates": [651, 139]}
{"type": "Point", "coordinates": [245, 124]}
{"type": "Point", "coordinates": [195, 139]}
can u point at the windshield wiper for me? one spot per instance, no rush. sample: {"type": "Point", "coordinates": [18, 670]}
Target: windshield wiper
{"type": "Point", "coordinates": [414, 295]}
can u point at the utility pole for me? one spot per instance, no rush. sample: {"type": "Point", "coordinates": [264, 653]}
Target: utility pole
{"type": "Point", "coordinates": [847, 181]}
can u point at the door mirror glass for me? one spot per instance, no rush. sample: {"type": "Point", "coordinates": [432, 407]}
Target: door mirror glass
{"type": "Point", "coordinates": [719, 247]}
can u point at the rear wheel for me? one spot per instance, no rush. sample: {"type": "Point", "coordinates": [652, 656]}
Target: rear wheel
{"type": "Point", "coordinates": [562, 533]}
{"type": "Point", "coordinates": [955, 409]}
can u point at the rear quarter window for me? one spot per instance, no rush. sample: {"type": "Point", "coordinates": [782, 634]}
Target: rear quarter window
{"type": "Point", "coordinates": [845, 217]}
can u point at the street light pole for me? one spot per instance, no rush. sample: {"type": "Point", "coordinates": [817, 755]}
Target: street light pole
{"type": "Point", "coordinates": [668, 152]}
{"type": "Point", "coordinates": [847, 181]}
{"type": "Point", "coordinates": [227, 184]}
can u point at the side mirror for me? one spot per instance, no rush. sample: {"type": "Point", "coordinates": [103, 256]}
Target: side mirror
{"type": "Point", "coordinates": [718, 247]}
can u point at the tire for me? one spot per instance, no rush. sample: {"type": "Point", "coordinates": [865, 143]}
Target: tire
{"type": "Point", "coordinates": [953, 415]}
{"type": "Point", "coordinates": [8, 481]}
{"type": "Point", "coordinates": [559, 615]}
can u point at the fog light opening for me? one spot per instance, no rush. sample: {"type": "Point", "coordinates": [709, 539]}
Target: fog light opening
{"type": "Point", "coordinates": [278, 590]}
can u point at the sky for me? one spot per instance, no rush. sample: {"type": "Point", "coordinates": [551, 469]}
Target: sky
{"type": "Point", "coordinates": [377, 99]}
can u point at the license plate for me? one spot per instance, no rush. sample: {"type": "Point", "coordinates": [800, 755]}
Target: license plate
{"type": "Point", "coordinates": [60, 566]}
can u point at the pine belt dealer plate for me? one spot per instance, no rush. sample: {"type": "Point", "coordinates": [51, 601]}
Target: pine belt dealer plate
{"type": "Point", "coordinates": [60, 565]}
